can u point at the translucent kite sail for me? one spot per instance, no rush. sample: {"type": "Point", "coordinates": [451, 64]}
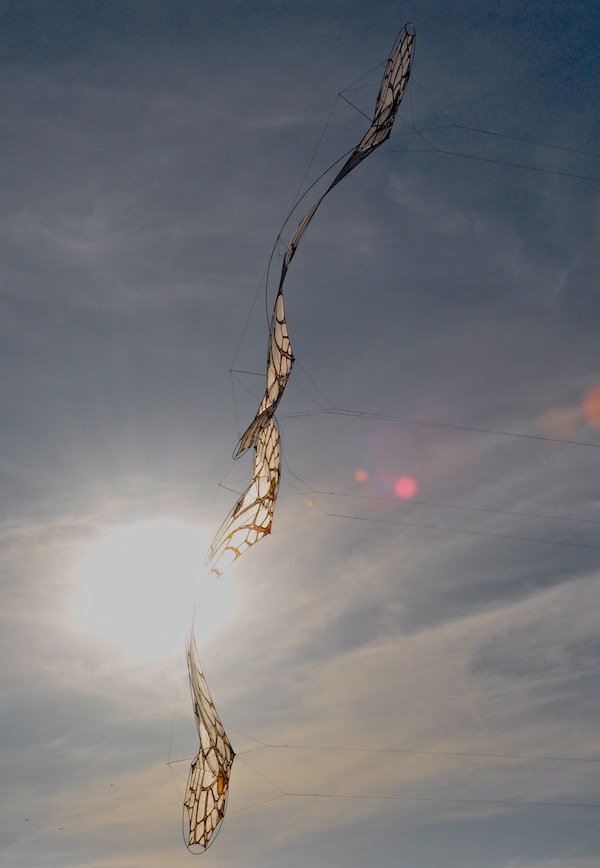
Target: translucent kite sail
{"type": "Point", "coordinates": [391, 91]}
{"type": "Point", "coordinates": [208, 781]}
{"type": "Point", "coordinates": [279, 365]}
{"type": "Point", "coordinates": [252, 516]}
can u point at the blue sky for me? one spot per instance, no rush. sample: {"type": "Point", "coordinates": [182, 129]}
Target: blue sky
{"type": "Point", "coordinates": [434, 661]}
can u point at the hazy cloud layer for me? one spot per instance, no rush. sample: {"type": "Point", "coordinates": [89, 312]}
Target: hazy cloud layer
{"type": "Point", "coordinates": [407, 680]}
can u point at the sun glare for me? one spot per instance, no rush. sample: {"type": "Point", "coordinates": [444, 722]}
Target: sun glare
{"type": "Point", "coordinates": [136, 586]}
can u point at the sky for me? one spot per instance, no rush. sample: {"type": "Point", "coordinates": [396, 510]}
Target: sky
{"type": "Point", "coordinates": [408, 667]}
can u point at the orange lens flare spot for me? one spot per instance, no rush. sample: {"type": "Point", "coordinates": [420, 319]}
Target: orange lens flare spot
{"type": "Point", "coordinates": [361, 475]}
{"type": "Point", "coordinates": [405, 487]}
{"type": "Point", "coordinates": [591, 407]}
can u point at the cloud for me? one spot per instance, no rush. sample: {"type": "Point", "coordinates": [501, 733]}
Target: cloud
{"type": "Point", "coordinates": [150, 161]}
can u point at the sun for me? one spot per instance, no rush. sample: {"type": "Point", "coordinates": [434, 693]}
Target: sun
{"type": "Point", "coordinates": [136, 586]}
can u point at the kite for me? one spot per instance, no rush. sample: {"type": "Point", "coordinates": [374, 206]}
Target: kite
{"type": "Point", "coordinates": [208, 781]}
{"type": "Point", "coordinates": [252, 516]}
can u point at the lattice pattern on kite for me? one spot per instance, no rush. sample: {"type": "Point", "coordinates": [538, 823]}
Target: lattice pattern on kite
{"type": "Point", "coordinates": [280, 360]}
{"type": "Point", "coordinates": [252, 516]}
{"type": "Point", "coordinates": [391, 91]}
{"type": "Point", "coordinates": [208, 781]}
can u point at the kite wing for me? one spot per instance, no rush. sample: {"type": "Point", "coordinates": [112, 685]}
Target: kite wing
{"type": "Point", "coordinates": [279, 365]}
{"type": "Point", "coordinates": [208, 781]}
{"type": "Point", "coordinates": [391, 91]}
{"type": "Point", "coordinates": [252, 516]}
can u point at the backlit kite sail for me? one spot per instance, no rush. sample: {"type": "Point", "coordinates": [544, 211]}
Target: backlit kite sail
{"type": "Point", "coordinates": [252, 516]}
{"type": "Point", "coordinates": [208, 781]}
{"type": "Point", "coordinates": [279, 366]}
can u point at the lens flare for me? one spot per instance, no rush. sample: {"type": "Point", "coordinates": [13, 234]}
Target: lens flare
{"type": "Point", "coordinates": [405, 487]}
{"type": "Point", "coordinates": [361, 475]}
{"type": "Point", "coordinates": [591, 406]}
